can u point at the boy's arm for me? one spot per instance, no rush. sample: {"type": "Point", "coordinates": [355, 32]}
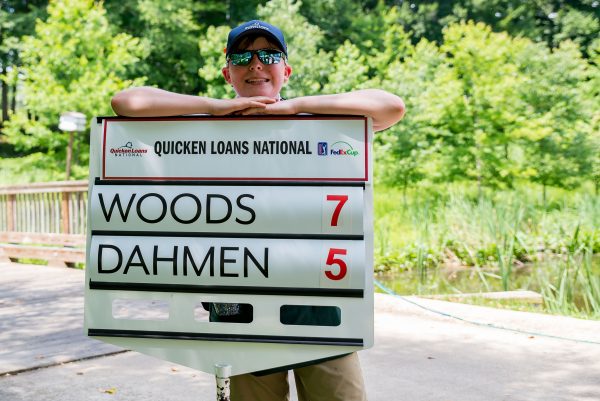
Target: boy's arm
{"type": "Point", "coordinates": [385, 108]}
{"type": "Point", "coordinates": [153, 102]}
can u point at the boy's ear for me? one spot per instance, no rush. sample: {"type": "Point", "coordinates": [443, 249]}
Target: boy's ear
{"type": "Point", "coordinates": [225, 72]}
{"type": "Point", "coordinates": [287, 72]}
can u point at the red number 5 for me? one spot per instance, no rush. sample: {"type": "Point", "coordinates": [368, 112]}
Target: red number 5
{"type": "Point", "coordinates": [332, 260]}
{"type": "Point", "coordinates": [341, 199]}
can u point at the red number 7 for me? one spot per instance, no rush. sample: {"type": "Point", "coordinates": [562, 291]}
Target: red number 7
{"type": "Point", "coordinates": [341, 199]}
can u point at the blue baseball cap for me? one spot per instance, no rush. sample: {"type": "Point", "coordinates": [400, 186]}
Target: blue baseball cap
{"type": "Point", "coordinates": [271, 32]}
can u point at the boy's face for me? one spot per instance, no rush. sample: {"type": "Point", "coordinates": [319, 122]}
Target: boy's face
{"type": "Point", "coordinates": [256, 78]}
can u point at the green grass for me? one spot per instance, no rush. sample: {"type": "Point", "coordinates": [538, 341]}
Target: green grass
{"type": "Point", "coordinates": [449, 240]}
{"type": "Point", "coordinates": [36, 167]}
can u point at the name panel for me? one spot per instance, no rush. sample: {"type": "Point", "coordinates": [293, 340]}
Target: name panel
{"type": "Point", "coordinates": [220, 209]}
{"type": "Point", "coordinates": [228, 262]}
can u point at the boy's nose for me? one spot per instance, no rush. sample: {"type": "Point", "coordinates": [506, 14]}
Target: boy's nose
{"type": "Point", "coordinates": [255, 62]}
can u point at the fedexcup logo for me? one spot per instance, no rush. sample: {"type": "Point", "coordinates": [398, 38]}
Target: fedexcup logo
{"type": "Point", "coordinates": [342, 148]}
{"type": "Point", "coordinates": [339, 148]}
{"type": "Point", "coordinates": [128, 150]}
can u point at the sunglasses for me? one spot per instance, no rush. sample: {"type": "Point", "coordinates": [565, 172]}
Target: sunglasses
{"type": "Point", "coordinates": [266, 56]}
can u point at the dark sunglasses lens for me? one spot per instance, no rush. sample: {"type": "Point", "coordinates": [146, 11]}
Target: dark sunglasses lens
{"type": "Point", "coordinates": [240, 58]}
{"type": "Point", "coordinates": [269, 56]}
{"type": "Point", "coordinates": [266, 57]}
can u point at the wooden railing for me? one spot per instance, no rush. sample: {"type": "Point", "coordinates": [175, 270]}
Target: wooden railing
{"type": "Point", "coordinates": [44, 221]}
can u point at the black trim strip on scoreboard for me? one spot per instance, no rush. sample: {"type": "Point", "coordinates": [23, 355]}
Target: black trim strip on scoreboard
{"type": "Point", "coordinates": [227, 183]}
{"type": "Point", "coordinates": [224, 289]}
{"type": "Point", "coordinates": [245, 338]}
{"type": "Point", "coordinates": [166, 234]}
{"type": "Point", "coordinates": [99, 119]}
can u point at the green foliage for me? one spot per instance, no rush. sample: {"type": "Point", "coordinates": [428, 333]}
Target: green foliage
{"type": "Point", "coordinates": [501, 93]}
{"type": "Point", "coordinates": [483, 105]}
{"type": "Point", "coordinates": [311, 65]}
{"type": "Point", "coordinates": [404, 151]}
{"type": "Point", "coordinates": [169, 31]}
{"type": "Point", "coordinates": [349, 70]}
{"type": "Point", "coordinates": [557, 130]}
{"type": "Point", "coordinates": [74, 62]}
{"type": "Point", "coordinates": [17, 18]}
{"type": "Point", "coordinates": [454, 220]}
{"type": "Point", "coordinates": [337, 19]}
{"type": "Point", "coordinates": [503, 240]}
{"type": "Point", "coordinates": [211, 47]}
{"type": "Point", "coordinates": [549, 21]}
{"type": "Point", "coordinates": [572, 286]}
{"type": "Point", "coordinates": [483, 108]}
{"type": "Point", "coordinates": [392, 43]}
{"type": "Point", "coordinates": [492, 108]}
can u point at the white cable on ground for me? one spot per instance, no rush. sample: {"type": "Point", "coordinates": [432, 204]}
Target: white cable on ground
{"type": "Point", "coordinates": [489, 325]}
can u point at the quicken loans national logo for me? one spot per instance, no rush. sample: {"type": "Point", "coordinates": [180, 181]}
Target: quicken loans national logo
{"type": "Point", "coordinates": [342, 148]}
{"type": "Point", "coordinates": [128, 150]}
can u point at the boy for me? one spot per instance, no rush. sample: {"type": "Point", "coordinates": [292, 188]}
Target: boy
{"type": "Point", "coordinates": [257, 69]}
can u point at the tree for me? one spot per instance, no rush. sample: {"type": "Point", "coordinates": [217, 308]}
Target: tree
{"type": "Point", "coordinates": [211, 46]}
{"type": "Point", "coordinates": [74, 62]}
{"type": "Point", "coordinates": [558, 128]}
{"type": "Point", "coordinates": [169, 30]}
{"type": "Point", "coordinates": [483, 107]}
{"type": "Point", "coordinates": [406, 153]}
{"type": "Point", "coordinates": [549, 21]}
{"type": "Point", "coordinates": [341, 20]}
{"type": "Point", "coordinates": [349, 70]}
{"type": "Point", "coordinates": [488, 107]}
{"type": "Point", "coordinates": [593, 96]}
{"type": "Point", "coordinates": [17, 18]}
{"type": "Point", "coordinates": [311, 64]}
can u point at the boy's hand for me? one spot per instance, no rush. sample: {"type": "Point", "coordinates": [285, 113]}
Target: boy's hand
{"type": "Point", "coordinates": [280, 107]}
{"type": "Point", "coordinates": [239, 105]}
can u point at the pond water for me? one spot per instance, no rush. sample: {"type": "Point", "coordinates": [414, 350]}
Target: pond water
{"type": "Point", "coordinates": [538, 277]}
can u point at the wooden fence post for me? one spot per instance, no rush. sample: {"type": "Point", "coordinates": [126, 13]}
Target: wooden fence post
{"type": "Point", "coordinates": [40, 225]}
{"type": "Point", "coordinates": [64, 213]}
{"type": "Point", "coordinates": [10, 221]}
{"type": "Point", "coordinates": [10, 212]}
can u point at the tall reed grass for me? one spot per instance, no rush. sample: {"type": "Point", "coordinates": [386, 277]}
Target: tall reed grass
{"type": "Point", "coordinates": [498, 239]}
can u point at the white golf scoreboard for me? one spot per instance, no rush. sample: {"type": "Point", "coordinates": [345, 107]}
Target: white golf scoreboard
{"type": "Point", "coordinates": [267, 216]}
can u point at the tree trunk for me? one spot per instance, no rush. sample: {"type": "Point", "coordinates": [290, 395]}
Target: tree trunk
{"type": "Point", "coordinates": [4, 99]}
{"type": "Point", "coordinates": [13, 103]}
{"type": "Point", "coordinates": [544, 195]}
{"type": "Point", "coordinates": [479, 178]}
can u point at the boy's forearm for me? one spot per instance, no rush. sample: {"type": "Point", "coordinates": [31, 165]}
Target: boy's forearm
{"type": "Point", "coordinates": [385, 108]}
{"type": "Point", "coordinates": [153, 102]}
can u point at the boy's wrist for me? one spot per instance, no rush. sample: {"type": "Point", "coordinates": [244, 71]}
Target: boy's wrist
{"type": "Point", "coordinates": [297, 105]}
{"type": "Point", "coordinates": [211, 105]}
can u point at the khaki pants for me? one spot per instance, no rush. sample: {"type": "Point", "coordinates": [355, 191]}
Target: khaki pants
{"type": "Point", "coordinates": [336, 380]}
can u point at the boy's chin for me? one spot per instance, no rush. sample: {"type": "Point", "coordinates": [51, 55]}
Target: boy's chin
{"type": "Point", "coordinates": [269, 92]}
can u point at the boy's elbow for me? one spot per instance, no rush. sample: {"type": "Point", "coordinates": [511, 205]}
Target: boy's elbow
{"type": "Point", "coordinates": [120, 103]}
{"type": "Point", "coordinates": [390, 114]}
{"type": "Point", "coordinates": [397, 108]}
{"type": "Point", "coordinates": [127, 103]}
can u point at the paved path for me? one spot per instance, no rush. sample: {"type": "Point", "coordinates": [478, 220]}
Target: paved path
{"type": "Point", "coordinates": [419, 355]}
